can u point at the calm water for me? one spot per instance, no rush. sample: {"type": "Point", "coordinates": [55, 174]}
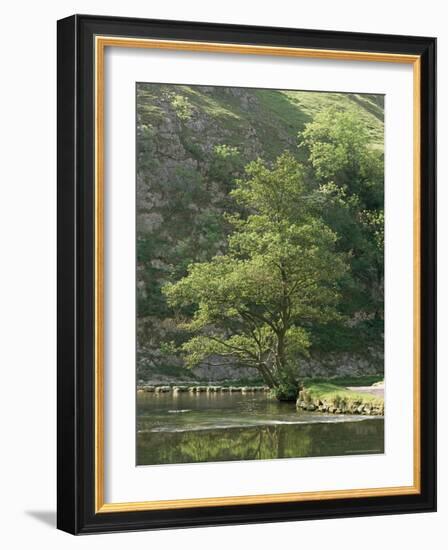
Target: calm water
{"type": "Point", "coordinates": [214, 427]}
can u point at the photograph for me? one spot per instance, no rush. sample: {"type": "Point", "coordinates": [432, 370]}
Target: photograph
{"type": "Point", "coordinates": [246, 268]}
{"type": "Point", "coordinates": [221, 315]}
{"type": "Point", "coordinates": [259, 273]}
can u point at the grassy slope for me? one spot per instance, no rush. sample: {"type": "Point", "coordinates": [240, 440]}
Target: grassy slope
{"type": "Point", "coordinates": [287, 111]}
{"type": "Point", "coordinates": [326, 391]}
{"type": "Point", "coordinates": [275, 116]}
{"type": "Point", "coordinates": [297, 108]}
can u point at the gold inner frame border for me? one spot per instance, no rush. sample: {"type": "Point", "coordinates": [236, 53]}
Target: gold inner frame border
{"type": "Point", "coordinates": [100, 44]}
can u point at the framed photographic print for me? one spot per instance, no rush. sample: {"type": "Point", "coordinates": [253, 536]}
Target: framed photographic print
{"type": "Point", "coordinates": [246, 274]}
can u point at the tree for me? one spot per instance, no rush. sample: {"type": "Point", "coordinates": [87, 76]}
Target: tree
{"type": "Point", "coordinates": [254, 304]}
{"type": "Point", "coordinates": [340, 150]}
{"type": "Point", "coordinates": [350, 172]}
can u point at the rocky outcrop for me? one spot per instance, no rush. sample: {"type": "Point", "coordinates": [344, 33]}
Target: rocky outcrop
{"type": "Point", "coordinates": [332, 365]}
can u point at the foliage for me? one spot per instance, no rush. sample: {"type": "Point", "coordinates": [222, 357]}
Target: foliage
{"type": "Point", "coordinates": [349, 175]}
{"type": "Point", "coordinates": [182, 106]}
{"type": "Point", "coordinates": [253, 305]}
{"type": "Point", "coordinates": [225, 164]}
{"type": "Point", "coordinates": [285, 391]}
{"type": "Point", "coordinates": [340, 336]}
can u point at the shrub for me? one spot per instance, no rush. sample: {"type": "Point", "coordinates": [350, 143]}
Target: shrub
{"type": "Point", "coordinates": [285, 392]}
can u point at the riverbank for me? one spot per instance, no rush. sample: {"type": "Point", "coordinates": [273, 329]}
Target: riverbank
{"type": "Point", "coordinates": [334, 399]}
{"type": "Point", "coordinates": [346, 395]}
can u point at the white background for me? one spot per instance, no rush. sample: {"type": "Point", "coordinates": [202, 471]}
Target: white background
{"type": "Point", "coordinates": [28, 271]}
{"type": "Point", "coordinates": [123, 481]}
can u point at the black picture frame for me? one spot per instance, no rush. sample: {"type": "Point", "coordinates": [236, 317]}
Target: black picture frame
{"type": "Point", "coordinates": [76, 256]}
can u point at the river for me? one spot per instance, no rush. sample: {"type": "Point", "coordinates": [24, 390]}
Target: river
{"type": "Point", "coordinates": [213, 427]}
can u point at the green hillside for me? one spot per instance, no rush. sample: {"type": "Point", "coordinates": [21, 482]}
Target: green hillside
{"type": "Point", "coordinates": [276, 116]}
{"type": "Point", "coordinates": [192, 143]}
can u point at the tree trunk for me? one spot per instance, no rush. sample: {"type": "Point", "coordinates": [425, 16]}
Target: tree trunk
{"type": "Point", "coordinates": [267, 376]}
{"type": "Point", "coordinates": [280, 359]}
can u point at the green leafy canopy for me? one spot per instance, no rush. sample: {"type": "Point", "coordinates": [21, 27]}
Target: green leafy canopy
{"type": "Point", "coordinates": [280, 273]}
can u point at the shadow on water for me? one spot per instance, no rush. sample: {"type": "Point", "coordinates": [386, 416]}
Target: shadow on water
{"type": "Point", "coordinates": [218, 427]}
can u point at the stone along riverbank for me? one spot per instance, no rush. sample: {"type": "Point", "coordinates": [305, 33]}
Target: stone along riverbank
{"type": "Point", "coordinates": [202, 389]}
{"type": "Point", "coordinates": [333, 399]}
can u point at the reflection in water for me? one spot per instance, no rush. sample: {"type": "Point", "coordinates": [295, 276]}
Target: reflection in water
{"type": "Point", "coordinates": [215, 427]}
